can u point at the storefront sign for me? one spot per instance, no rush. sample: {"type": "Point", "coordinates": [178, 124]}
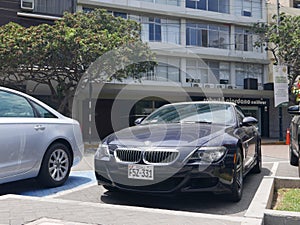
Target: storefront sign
{"type": "Point", "coordinates": [242, 101]}
{"type": "Point", "coordinates": [280, 77]}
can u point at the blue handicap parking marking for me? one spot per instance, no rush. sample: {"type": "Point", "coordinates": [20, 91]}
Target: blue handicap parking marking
{"type": "Point", "coordinates": [76, 179]}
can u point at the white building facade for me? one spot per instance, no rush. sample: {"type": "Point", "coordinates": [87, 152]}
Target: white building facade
{"type": "Point", "coordinates": [217, 31]}
{"type": "Point", "coordinates": [204, 44]}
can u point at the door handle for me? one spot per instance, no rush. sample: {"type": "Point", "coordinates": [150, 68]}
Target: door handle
{"type": "Point", "coordinates": [39, 127]}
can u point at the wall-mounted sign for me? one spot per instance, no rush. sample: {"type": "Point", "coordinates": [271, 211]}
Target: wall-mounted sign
{"type": "Point", "coordinates": [281, 93]}
{"type": "Point", "coordinates": [242, 101]}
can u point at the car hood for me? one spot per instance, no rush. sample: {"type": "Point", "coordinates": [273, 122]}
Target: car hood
{"type": "Point", "coordinates": [170, 135]}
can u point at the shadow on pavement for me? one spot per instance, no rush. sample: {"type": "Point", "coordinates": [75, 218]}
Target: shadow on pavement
{"type": "Point", "coordinates": [31, 187]}
{"type": "Point", "coordinates": [191, 202]}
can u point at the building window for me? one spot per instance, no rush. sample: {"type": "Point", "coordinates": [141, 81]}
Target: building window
{"type": "Point", "coordinates": [245, 40]}
{"type": "Point", "coordinates": [120, 14]}
{"type": "Point", "coordinates": [114, 13]}
{"type": "Point", "coordinates": [164, 2]}
{"type": "Point", "coordinates": [248, 70]}
{"type": "Point", "coordinates": [154, 29]}
{"type": "Point", "coordinates": [160, 30]}
{"type": "Point", "coordinates": [249, 8]}
{"type": "Point", "coordinates": [221, 6]}
{"type": "Point", "coordinates": [87, 10]}
{"type": "Point", "coordinates": [207, 71]}
{"type": "Point", "coordinates": [207, 35]}
{"type": "Point", "coordinates": [196, 71]}
{"type": "Point", "coordinates": [167, 69]}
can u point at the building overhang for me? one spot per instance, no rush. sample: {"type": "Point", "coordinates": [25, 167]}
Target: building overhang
{"type": "Point", "coordinates": [173, 93]}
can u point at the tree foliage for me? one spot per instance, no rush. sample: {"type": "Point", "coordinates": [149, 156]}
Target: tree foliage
{"type": "Point", "coordinates": [283, 41]}
{"type": "Point", "coordinates": [58, 55]}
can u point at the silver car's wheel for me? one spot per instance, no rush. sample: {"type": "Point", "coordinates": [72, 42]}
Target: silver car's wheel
{"type": "Point", "coordinates": [56, 165]}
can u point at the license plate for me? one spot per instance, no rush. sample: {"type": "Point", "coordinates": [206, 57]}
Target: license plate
{"type": "Point", "coordinates": [140, 172]}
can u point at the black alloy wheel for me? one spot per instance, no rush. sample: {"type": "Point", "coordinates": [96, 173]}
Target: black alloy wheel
{"type": "Point", "coordinates": [293, 158]}
{"type": "Point", "coordinates": [258, 164]}
{"type": "Point", "coordinates": [237, 185]}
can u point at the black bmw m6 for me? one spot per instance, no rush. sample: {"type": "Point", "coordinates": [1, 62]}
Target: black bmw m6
{"type": "Point", "coordinates": [182, 147]}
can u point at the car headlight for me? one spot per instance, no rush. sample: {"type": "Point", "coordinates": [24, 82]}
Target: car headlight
{"type": "Point", "coordinates": [102, 152]}
{"type": "Point", "coordinates": [209, 154]}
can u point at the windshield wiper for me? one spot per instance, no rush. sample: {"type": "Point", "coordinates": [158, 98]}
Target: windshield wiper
{"type": "Point", "coordinates": [206, 122]}
{"type": "Point", "coordinates": [160, 122]}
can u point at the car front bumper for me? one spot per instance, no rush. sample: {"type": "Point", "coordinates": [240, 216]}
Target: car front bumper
{"type": "Point", "coordinates": [191, 177]}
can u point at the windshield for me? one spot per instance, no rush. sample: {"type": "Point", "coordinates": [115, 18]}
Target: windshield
{"type": "Point", "coordinates": [192, 113]}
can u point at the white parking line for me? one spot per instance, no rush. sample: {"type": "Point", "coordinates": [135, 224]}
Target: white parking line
{"type": "Point", "coordinates": [46, 221]}
{"type": "Point", "coordinates": [276, 162]}
{"type": "Point", "coordinates": [71, 190]}
{"type": "Point", "coordinates": [274, 168]}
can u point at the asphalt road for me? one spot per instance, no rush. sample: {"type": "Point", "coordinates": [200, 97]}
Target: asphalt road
{"type": "Point", "coordinates": [82, 187]}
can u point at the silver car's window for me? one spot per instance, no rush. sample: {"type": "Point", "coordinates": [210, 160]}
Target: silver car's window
{"type": "Point", "coordinates": [42, 112]}
{"type": "Point", "coordinates": [193, 113]}
{"type": "Point", "coordinates": [12, 105]}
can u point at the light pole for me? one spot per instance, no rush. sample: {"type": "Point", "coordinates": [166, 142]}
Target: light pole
{"type": "Point", "coordinates": [278, 63]}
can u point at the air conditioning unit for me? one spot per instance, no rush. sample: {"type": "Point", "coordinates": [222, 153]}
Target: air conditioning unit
{"type": "Point", "coordinates": [230, 86]}
{"type": "Point", "coordinates": [209, 85]}
{"type": "Point", "coordinates": [197, 85]}
{"type": "Point", "coordinates": [189, 80]}
{"type": "Point", "coordinates": [250, 83]}
{"type": "Point", "coordinates": [27, 5]}
{"type": "Point", "coordinates": [222, 86]}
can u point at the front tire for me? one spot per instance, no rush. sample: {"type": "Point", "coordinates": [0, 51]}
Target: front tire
{"type": "Point", "coordinates": [258, 164]}
{"type": "Point", "coordinates": [293, 158]}
{"type": "Point", "coordinates": [237, 185]}
{"type": "Point", "coordinates": [56, 166]}
{"type": "Point", "coordinates": [299, 167]}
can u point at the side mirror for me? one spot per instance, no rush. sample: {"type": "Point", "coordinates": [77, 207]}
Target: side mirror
{"type": "Point", "coordinates": [294, 110]}
{"type": "Point", "coordinates": [138, 121]}
{"type": "Point", "coordinates": [249, 121]}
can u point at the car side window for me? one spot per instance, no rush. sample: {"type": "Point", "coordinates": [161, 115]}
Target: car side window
{"type": "Point", "coordinates": [240, 114]}
{"type": "Point", "coordinates": [13, 105]}
{"type": "Point", "coordinates": [42, 112]}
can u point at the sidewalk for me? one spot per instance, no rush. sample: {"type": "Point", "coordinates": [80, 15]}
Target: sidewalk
{"type": "Point", "coordinates": [17, 210]}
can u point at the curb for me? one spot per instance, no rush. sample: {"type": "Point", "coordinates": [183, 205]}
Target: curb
{"type": "Point", "coordinates": [260, 207]}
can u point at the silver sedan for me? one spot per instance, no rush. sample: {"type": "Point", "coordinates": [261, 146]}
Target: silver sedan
{"type": "Point", "coordinates": [36, 140]}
